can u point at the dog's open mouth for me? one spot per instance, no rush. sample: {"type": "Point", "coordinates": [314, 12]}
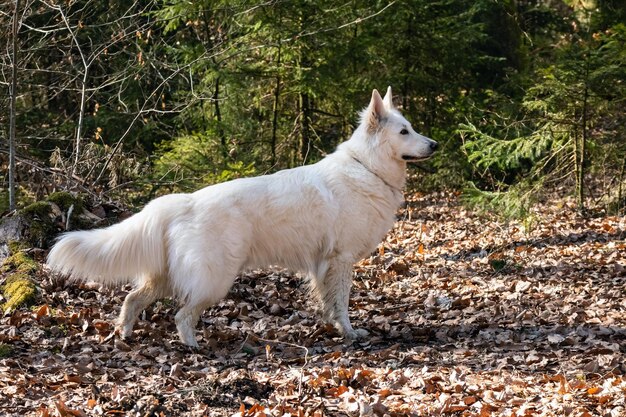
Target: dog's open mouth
{"type": "Point", "coordinates": [414, 158]}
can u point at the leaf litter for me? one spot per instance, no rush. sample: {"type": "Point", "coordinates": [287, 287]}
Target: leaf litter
{"type": "Point", "coordinates": [467, 316]}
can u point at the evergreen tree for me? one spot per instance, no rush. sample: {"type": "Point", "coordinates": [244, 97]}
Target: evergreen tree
{"type": "Point", "coordinates": [149, 97]}
{"type": "Point", "coordinates": [565, 131]}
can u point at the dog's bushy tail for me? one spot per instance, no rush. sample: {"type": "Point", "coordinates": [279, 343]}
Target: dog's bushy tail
{"type": "Point", "coordinates": [120, 253]}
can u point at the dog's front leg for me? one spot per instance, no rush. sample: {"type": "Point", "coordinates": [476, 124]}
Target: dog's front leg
{"type": "Point", "coordinates": [334, 291]}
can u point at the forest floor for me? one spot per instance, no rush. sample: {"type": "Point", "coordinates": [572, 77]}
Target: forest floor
{"type": "Point", "coordinates": [467, 316]}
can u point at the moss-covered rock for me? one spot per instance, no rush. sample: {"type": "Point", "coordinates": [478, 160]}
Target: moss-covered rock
{"type": "Point", "coordinates": [73, 209]}
{"type": "Point", "coordinates": [41, 218]}
{"type": "Point", "coordinates": [12, 230]}
{"type": "Point", "coordinates": [37, 209]}
{"type": "Point", "coordinates": [15, 246]}
{"type": "Point", "coordinates": [38, 224]}
{"type": "Point", "coordinates": [65, 200]}
{"type": "Point", "coordinates": [19, 262]}
{"type": "Point", "coordinates": [19, 290]}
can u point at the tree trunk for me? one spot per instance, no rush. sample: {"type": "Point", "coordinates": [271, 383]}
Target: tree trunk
{"type": "Point", "coordinates": [305, 127]}
{"type": "Point", "coordinates": [275, 110]}
{"type": "Point", "coordinates": [12, 110]}
{"type": "Point", "coordinates": [408, 61]}
{"type": "Point", "coordinates": [620, 194]}
{"type": "Point", "coordinates": [218, 118]}
{"type": "Point", "coordinates": [303, 65]}
{"type": "Point", "coordinates": [580, 174]}
{"type": "Point", "coordinates": [81, 118]}
{"type": "Point", "coordinates": [576, 139]}
{"type": "Point", "coordinates": [580, 180]}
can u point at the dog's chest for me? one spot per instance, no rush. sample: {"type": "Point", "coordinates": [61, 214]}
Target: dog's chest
{"type": "Point", "coordinates": [364, 223]}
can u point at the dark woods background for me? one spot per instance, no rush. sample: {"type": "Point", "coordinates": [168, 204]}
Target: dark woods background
{"type": "Point", "coordinates": [129, 100]}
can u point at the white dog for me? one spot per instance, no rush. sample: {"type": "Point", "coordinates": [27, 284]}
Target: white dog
{"type": "Point", "coordinates": [318, 219]}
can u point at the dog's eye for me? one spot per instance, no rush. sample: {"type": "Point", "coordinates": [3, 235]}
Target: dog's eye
{"type": "Point", "coordinates": [404, 132]}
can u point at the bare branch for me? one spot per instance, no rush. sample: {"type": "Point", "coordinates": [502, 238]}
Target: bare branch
{"type": "Point", "coordinates": [12, 115]}
{"type": "Point", "coordinates": [139, 113]}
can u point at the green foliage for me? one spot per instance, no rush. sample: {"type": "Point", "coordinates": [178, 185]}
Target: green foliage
{"type": "Point", "coordinates": [4, 200]}
{"type": "Point", "coordinates": [23, 196]}
{"type": "Point", "coordinates": [562, 134]}
{"type": "Point", "coordinates": [182, 94]}
{"type": "Point", "coordinates": [492, 154]}
{"type": "Point", "coordinates": [188, 162]}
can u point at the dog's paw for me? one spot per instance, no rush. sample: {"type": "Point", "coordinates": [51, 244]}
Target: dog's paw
{"type": "Point", "coordinates": [356, 334]}
{"type": "Point", "coordinates": [193, 344]}
{"type": "Point", "coordinates": [189, 339]}
{"type": "Point", "coordinates": [124, 331]}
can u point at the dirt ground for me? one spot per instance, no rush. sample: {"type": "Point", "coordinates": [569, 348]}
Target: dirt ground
{"type": "Point", "coordinates": [467, 316]}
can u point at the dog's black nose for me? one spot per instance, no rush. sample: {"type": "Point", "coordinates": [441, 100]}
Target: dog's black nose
{"type": "Point", "coordinates": [433, 145]}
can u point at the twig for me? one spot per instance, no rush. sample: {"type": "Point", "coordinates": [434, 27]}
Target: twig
{"type": "Point", "coordinates": [69, 215]}
{"type": "Point", "coordinates": [345, 25]}
{"type": "Point", "coordinates": [306, 356]}
{"type": "Point", "coordinates": [76, 180]}
{"type": "Point", "coordinates": [139, 113]}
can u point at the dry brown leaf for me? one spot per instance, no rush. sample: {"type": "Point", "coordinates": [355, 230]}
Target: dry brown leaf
{"type": "Point", "coordinates": [594, 390]}
{"type": "Point", "coordinates": [42, 311]}
{"type": "Point", "coordinates": [336, 391]}
{"type": "Point", "coordinates": [65, 411]}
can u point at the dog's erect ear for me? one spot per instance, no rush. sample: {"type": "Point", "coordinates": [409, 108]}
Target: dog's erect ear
{"type": "Point", "coordinates": [375, 112]}
{"type": "Point", "coordinates": [388, 100]}
{"type": "Point", "coordinates": [377, 105]}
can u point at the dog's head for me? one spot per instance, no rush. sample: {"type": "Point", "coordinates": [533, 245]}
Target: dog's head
{"type": "Point", "coordinates": [385, 123]}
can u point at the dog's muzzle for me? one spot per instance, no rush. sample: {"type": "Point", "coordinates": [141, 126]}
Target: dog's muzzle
{"type": "Point", "coordinates": [414, 158]}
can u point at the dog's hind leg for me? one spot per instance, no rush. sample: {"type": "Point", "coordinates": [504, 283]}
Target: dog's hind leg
{"type": "Point", "coordinates": [150, 290]}
{"type": "Point", "coordinates": [186, 320]}
{"type": "Point", "coordinates": [206, 291]}
{"type": "Point", "coordinates": [333, 288]}
{"type": "Point", "coordinates": [189, 314]}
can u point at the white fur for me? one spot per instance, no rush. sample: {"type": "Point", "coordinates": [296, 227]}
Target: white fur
{"type": "Point", "coordinates": [319, 219]}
